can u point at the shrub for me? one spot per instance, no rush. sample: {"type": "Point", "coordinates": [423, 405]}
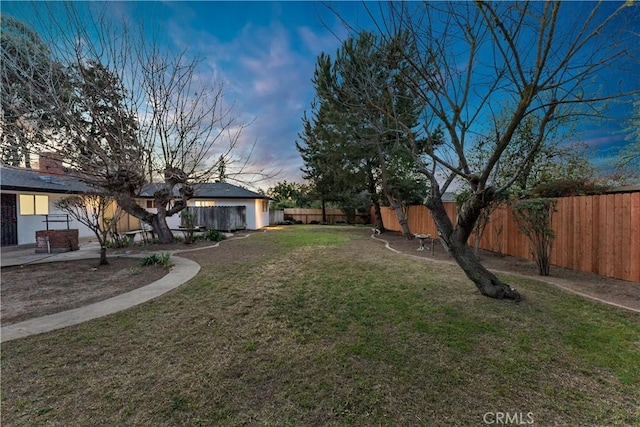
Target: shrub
{"type": "Point", "coordinates": [568, 187]}
{"type": "Point", "coordinates": [214, 236]}
{"type": "Point", "coordinates": [117, 240]}
{"type": "Point", "coordinates": [534, 220]}
{"type": "Point", "coordinates": [162, 259]}
{"type": "Point", "coordinates": [188, 220]}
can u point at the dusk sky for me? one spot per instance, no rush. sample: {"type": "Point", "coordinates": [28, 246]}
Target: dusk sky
{"type": "Point", "coordinates": [265, 53]}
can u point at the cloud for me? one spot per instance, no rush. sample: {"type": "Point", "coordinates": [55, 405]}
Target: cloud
{"type": "Point", "coordinates": [267, 80]}
{"type": "Point", "coordinates": [265, 61]}
{"type": "Point", "coordinates": [318, 42]}
{"type": "Point", "coordinates": [604, 140]}
{"type": "Point", "coordinates": [272, 81]}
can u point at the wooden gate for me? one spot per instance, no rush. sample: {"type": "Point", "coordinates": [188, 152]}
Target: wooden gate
{"type": "Point", "coordinates": [223, 218]}
{"type": "Point", "coordinates": [9, 220]}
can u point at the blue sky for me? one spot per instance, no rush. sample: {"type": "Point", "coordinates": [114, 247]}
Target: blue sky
{"type": "Point", "coordinates": [265, 53]}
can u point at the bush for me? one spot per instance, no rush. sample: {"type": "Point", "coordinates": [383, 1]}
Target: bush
{"type": "Point", "coordinates": [534, 220]}
{"type": "Point", "coordinates": [117, 240]}
{"type": "Point", "coordinates": [213, 235]}
{"type": "Point", "coordinates": [162, 259]}
{"type": "Point", "coordinates": [568, 187]}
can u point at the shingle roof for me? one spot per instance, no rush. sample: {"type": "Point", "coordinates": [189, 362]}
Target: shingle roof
{"type": "Point", "coordinates": [21, 179]}
{"type": "Point", "coordinates": [211, 190]}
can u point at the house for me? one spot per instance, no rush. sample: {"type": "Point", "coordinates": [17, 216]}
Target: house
{"type": "Point", "coordinates": [29, 199]}
{"type": "Point", "coordinates": [219, 194]}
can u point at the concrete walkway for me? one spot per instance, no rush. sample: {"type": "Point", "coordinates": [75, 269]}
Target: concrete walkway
{"type": "Point", "coordinates": [182, 271]}
{"type": "Point", "coordinates": [25, 255]}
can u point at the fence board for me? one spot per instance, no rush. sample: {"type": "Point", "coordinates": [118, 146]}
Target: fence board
{"type": "Point", "coordinates": [276, 217]}
{"type": "Point", "coordinates": [604, 240]}
{"type": "Point", "coordinates": [511, 229]}
{"type": "Point", "coordinates": [223, 218]}
{"type": "Point", "coordinates": [499, 232]}
{"type": "Point", "coordinates": [618, 238]}
{"type": "Point", "coordinates": [574, 234]}
{"type": "Point", "coordinates": [625, 251]}
{"type": "Point", "coordinates": [568, 231]}
{"type": "Point", "coordinates": [577, 254]}
{"type": "Point", "coordinates": [596, 234]}
{"type": "Point", "coordinates": [611, 237]}
{"type": "Point", "coordinates": [634, 237]}
{"type": "Point", "coordinates": [586, 231]}
{"type": "Point", "coordinates": [307, 216]}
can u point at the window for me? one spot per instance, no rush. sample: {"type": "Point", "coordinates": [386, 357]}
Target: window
{"type": "Point", "coordinates": [265, 206]}
{"type": "Point", "coordinates": [204, 203]}
{"type": "Point", "coordinates": [31, 204]}
{"type": "Point", "coordinates": [151, 204]}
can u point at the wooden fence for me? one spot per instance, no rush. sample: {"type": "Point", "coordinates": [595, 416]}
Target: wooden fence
{"type": "Point", "coordinates": [595, 234]}
{"type": "Point", "coordinates": [276, 217]}
{"type": "Point", "coordinates": [314, 215]}
{"type": "Point", "coordinates": [308, 216]}
{"type": "Point", "coordinates": [223, 218]}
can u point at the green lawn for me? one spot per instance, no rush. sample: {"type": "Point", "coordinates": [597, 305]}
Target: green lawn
{"type": "Point", "coordinates": [322, 326]}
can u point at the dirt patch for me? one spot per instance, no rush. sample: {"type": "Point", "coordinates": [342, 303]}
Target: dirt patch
{"type": "Point", "coordinates": [36, 290]}
{"type": "Point", "coordinates": [616, 291]}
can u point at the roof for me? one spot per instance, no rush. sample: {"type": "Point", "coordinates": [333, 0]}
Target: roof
{"type": "Point", "coordinates": [211, 190]}
{"type": "Point", "coordinates": [21, 179]}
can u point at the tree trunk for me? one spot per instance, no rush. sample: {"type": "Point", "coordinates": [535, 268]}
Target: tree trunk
{"type": "Point", "coordinates": [375, 200]}
{"type": "Point", "coordinates": [455, 240]}
{"type": "Point", "coordinates": [161, 229]}
{"type": "Point", "coordinates": [324, 212]}
{"type": "Point", "coordinates": [103, 256]}
{"type": "Point", "coordinates": [402, 218]}
{"type": "Point", "coordinates": [157, 220]}
{"type": "Point", "coordinates": [377, 215]}
{"type": "Point", "coordinates": [486, 282]}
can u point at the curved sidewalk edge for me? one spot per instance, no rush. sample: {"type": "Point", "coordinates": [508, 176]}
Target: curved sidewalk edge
{"type": "Point", "coordinates": [183, 270]}
{"type": "Point", "coordinates": [549, 281]}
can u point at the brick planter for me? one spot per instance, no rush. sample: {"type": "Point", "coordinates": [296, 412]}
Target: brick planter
{"type": "Point", "coordinates": [56, 241]}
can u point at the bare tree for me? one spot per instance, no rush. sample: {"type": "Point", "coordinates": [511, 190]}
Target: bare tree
{"type": "Point", "coordinates": [97, 212]}
{"type": "Point", "coordinates": [468, 60]}
{"type": "Point", "coordinates": [139, 115]}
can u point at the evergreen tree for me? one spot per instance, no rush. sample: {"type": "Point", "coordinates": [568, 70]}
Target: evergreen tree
{"type": "Point", "coordinates": [351, 144]}
{"type": "Point", "coordinates": [30, 78]}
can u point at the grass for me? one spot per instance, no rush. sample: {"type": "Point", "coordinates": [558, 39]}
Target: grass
{"type": "Point", "coordinates": [322, 326]}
